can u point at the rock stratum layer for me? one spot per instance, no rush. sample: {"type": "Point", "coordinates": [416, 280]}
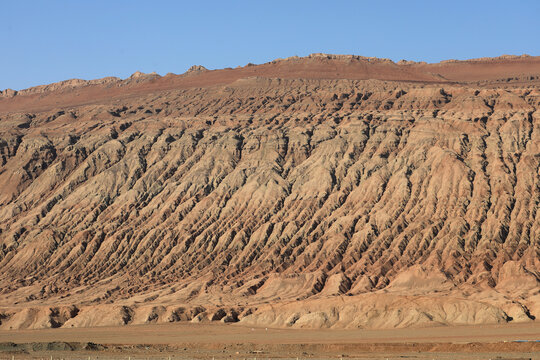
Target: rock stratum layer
{"type": "Point", "coordinates": [327, 191]}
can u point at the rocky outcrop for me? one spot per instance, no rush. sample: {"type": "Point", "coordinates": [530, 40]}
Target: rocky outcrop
{"type": "Point", "coordinates": [66, 85]}
{"type": "Point", "coordinates": [275, 202]}
{"type": "Point", "coordinates": [196, 69]}
{"type": "Point", "coordinates": [8, 93]}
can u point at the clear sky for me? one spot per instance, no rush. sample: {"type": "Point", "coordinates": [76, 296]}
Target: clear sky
{"type": "Point", "coordinates": [44, 41]}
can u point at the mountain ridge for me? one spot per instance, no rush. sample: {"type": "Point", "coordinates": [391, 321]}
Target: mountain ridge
{"type": "Point", "coordinates": [70, 83]}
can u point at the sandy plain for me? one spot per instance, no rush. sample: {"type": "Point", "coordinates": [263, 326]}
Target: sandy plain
{"type": "Point", "coordinates": [217, 341]}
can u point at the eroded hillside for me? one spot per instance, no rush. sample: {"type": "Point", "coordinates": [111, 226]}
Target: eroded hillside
{"type": "Point", "coordinates": [275, 202]}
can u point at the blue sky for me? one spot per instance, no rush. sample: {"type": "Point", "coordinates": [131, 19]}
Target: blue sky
{"type": "Point", "coordinates": [47, 41]}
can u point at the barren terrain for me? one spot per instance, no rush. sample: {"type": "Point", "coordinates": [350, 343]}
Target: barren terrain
{"type": "Point", "coordinates": [206, 341]}
{"type": "Point", "coordinates": [322, 192]}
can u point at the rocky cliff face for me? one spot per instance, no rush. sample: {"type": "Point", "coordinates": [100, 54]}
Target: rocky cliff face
{"type": "Point", "coordinates": [300, 202]}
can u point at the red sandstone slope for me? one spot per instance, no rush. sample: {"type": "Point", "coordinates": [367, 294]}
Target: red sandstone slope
{"type": "Point", "coordinates": [284, 194]}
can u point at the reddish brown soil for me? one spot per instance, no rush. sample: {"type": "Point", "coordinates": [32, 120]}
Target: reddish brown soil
{"type": "Point", "coordinates": [503, 70]}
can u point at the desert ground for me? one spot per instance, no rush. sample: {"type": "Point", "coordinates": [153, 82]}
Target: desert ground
{"type": "Point", "coordinates": [206, 341]}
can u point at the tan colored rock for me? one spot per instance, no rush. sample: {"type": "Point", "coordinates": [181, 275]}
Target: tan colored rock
{"type": "Point", "coordinates": [327, 191]}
